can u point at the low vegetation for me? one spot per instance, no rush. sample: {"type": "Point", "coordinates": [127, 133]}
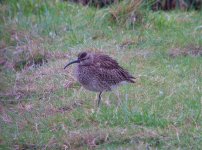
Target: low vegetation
{"type": "Point", "coordinates": [43, 107]}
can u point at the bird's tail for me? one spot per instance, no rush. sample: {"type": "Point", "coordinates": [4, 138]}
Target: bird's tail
{"type": "Point", "coordinates": [131, 79]}
{"type": "Point", "coordinates": [127, 76]}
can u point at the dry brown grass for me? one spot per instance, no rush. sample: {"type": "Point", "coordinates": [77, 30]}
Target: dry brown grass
{"type": "Point", "coordinates": [27, 50]}
{"type": "Point", "coordinates": [27, 53]}
{"type": "Point", "coordinates": [126, 11]}
{"type": "Point", "coordinates": [94, 137]}
{"type": "Point", "coordinates": [187, 51]}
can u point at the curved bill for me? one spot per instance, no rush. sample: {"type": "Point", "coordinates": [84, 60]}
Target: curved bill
{"type": "Point", "coordinates": [76, 61]}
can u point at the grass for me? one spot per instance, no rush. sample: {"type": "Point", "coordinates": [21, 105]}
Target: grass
{"type": "Point", "coordinates": [45, 108]}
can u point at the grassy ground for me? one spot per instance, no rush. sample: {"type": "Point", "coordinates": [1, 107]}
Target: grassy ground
{"type": "Point", "coordinates": [44, 108]}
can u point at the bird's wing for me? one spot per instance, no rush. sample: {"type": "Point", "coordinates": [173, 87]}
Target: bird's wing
{"type": "Point", "coordinates": [104, 61]}
{"type": "Point", "coordinates": [109, 70]}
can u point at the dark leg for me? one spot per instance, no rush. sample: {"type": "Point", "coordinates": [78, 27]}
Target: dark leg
{"type": "Point", "coordinates": [99, 99]}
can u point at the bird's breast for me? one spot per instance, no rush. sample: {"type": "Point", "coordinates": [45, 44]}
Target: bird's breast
{"type": "Point", "coordinates": [86, 77]}
{"type": "Point", "coordinates": [83, 75]}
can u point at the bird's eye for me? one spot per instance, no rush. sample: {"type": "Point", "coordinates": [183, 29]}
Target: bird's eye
{"type": "Point", "coordinates": [82, 55]}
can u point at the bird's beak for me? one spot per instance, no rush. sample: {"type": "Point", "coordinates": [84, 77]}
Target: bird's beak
{"type": "Point", "coordinates": [75, 61]}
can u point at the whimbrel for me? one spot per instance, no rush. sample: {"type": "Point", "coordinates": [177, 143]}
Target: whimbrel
{"type": "Point", "coordinates": [98, 72]}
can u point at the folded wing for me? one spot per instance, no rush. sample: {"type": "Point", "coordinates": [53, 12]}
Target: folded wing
{"type": "Point", "coordinates": [108, 70]}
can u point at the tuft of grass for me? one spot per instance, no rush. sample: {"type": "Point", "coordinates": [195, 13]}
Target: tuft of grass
{"type": "Point", "coordinates": [127, 12]}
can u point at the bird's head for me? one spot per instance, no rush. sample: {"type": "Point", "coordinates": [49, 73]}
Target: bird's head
{"type": "Point", "coordinates": [84, 58]}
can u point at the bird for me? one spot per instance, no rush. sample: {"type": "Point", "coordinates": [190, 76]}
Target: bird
{"type": "Point", "coordinates": [99, 72]}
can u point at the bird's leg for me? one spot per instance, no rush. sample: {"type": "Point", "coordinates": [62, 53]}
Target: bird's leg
{"type": "Point", "coordinates": [99, 98]}
{"type": "Point", "coordinates": [118, 96]}
{"type": "Point", "coordinates": [108, 100]}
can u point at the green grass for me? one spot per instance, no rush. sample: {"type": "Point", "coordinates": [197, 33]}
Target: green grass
{"type": "Point", "coordinates": [161, 110]}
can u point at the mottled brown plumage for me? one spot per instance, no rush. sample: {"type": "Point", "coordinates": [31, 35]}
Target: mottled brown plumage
{"type": "Point", "coordinates": [98, 72]}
